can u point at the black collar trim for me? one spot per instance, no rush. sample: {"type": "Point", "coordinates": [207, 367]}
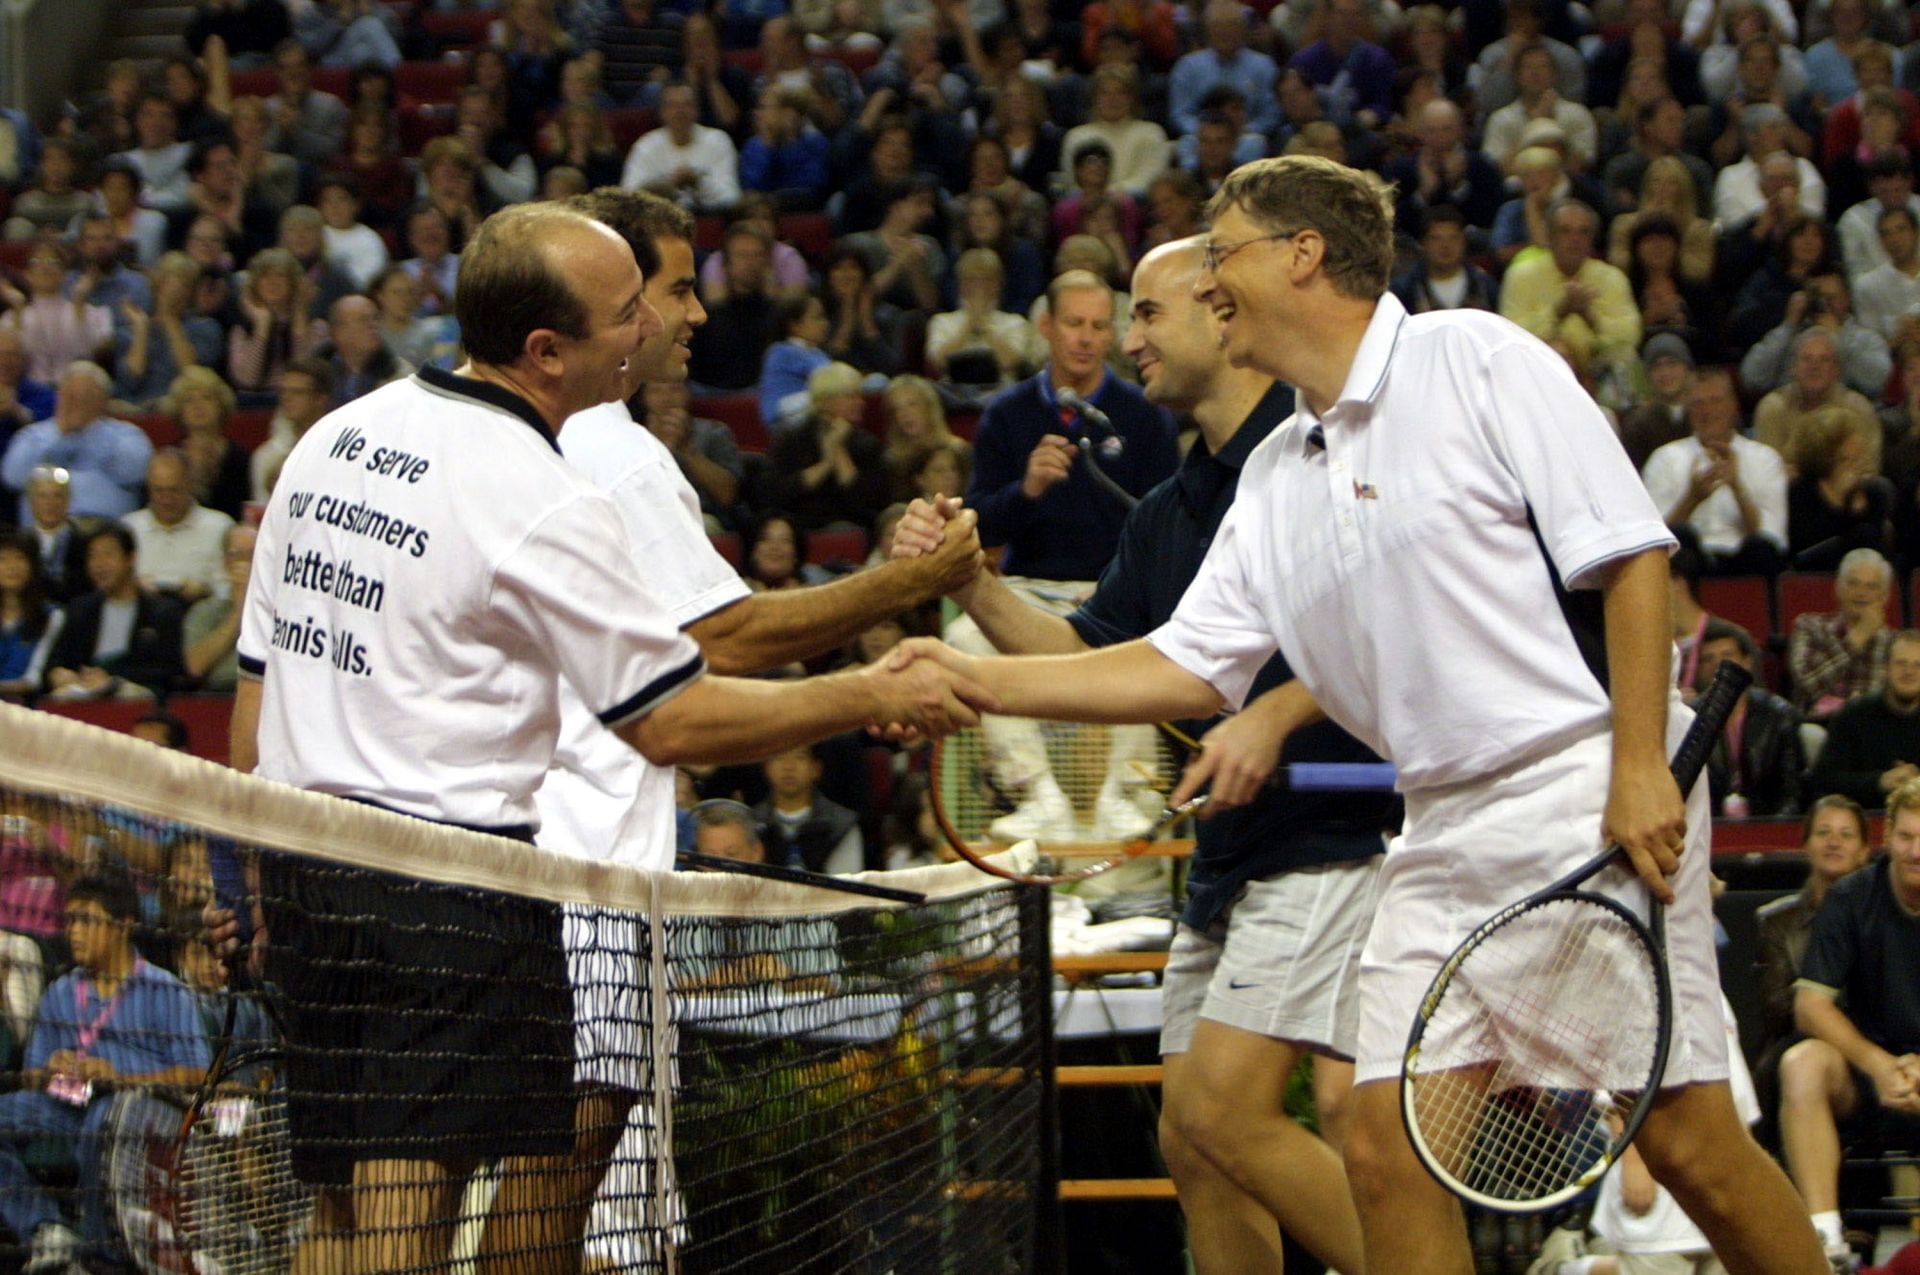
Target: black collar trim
{"type": "Point", "coordinates": [490, 394]}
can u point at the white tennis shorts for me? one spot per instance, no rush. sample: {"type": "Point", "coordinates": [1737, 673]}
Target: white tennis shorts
{"type": "Point", "coordinates": [1283, 961]}
{"type": "Point", "coordinates": [1470, 849]}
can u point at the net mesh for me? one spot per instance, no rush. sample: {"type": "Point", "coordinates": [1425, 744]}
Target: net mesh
{"type": "Point", "coordinates": [444, 1051]}
{"type": "Point", "coordinates": [1544, 1033]}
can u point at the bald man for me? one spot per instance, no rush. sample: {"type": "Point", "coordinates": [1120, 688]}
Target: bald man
{"type": "Point", "coordinates": [1265, 965]}
{"type": "Point", "coordinates": [371, 655]}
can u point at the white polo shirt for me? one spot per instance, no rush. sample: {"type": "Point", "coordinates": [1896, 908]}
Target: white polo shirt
{"type": "Point", "coordinates": [195, 548]}
{"type": "Point", "coordinates": [428, 572]}
{"type": "Point", "coordinates": [1396, 566]}
{"type": "Point", "coordinates": [602, 799]}
{"type": "Point", "coordinates": [1717, 519]}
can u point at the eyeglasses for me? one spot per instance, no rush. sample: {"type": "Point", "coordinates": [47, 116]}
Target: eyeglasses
{"type": "Point", "coordinates": [1215, 253]}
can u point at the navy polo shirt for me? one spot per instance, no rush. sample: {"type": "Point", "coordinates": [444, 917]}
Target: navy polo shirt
{"type": "Point", "coordinates": [1070, 532]}
{"type": "Point", "coordinates": [1160, 551]}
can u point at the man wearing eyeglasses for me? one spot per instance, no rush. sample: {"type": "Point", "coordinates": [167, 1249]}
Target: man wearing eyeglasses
{"type": "Point", "coordinates": [1465, 572]}
{"type": "Point", "coordinates": [115, 1022]}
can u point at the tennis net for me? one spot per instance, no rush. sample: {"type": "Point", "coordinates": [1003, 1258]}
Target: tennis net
{"type": "Point", "coordinates": [443, 1051]}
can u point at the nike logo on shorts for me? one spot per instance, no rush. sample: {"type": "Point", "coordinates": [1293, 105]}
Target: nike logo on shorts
{"type": "Point", "coordinates": [1239, 986]}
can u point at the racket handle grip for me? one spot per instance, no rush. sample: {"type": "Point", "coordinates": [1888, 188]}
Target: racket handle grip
{"type": "Point", "coordinates": [1711, 712]}
{"type": "Point", "coordinates": [1336, 776]}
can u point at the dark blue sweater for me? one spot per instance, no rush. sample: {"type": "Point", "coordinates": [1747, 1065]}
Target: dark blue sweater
{"type": "Point", "coordinates": [1070, 533]}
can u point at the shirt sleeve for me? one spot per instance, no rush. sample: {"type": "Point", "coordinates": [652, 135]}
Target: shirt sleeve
{"type": "Point", "coordinates": [1117, 611]}
{"type": "Point", "coordinates": [575, 587]}
{"type": "Point", "coordinates": [256, 621]}
{"type": "Point", "coordinates": [1217, 633]}
{"type": "Point", "coordinates": [1589, 505]}
{"type": "Point", "coordinates": [1834, 947]}
{"type": "Point", "coordinates": [662, 517]}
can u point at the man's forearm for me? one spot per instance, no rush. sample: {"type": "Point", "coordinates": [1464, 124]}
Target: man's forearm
{"type": "Point", "coordinates": [1815, 1014]}
{"type": "Point", "coordinates": [1122, 684]}
{"type": "Point", "coordinates": [1014, 625]}
{"type": "Point", "coordinates": [725, 720]}
{"type": "Point", "coordinates": [1639, 655]}
{"type": "Point", "coordinates": [243, 752]}
{"type": "Point", "coordinates": [765, 630]}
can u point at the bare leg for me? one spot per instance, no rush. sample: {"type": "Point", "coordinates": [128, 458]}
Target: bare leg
{"type": "Point", "coordinates": [1228, 1231]}
{"type": "Point", "coordinates": [328, 1243]}
{"type": "Point", "coordinates": [1815, 1090]}
{"type": "Point", "coordinates": [1410, 1221]}
{"type": "Point", "coordinates": [538, 1221]}
{"type": "Point", "coordinates": [1225, 1100]}
{"type": "Point", "coordinates": [406, 1211]}
{"type": "Point", "coordinates": [1696, 1147]}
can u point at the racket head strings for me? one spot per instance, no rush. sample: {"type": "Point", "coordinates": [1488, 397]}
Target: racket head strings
{"type": "Point", "coordinates": [1537, 1052]}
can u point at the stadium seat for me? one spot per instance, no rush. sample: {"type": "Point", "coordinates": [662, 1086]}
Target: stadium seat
{"type": "Point", "coordinates": [422, 83]}
{"type": "Point", "coordinates": [810, 233]}
{"type": "Point", "coordinates": [13, 255]}
{"type": "Point", "coordinates": [1802, 591]}
{"type": "Point", "coordinates": [258, 81]}
{"type": "Point", "coordinates": [837, 544]}
{"type": "Point", "coordinates": [739, 413]}
{"type": "Point", "coordinates": [707, 232]}
{"type": "Point", "coordinates": [964, 422]}
{"type": "Point", "coordinates": [747, 60]}
{"type": "Point", "coordinates": [1743, 600]}
{"type": "Point", "coordinates": [727, 545]}
{"type": "Point", "coordinates": [458, 28]}
{"type": "Point", "coordinates": [859, 61]}
{"type": "Point", "coordinates": [110, 714]}
{"type": "Point", "coordinates": [206, 717]}
{"type": "Point", "coordinates": [249, 426]}
{"type": "Point", "coordinates": [627, 123]}
{"type": "Point", "coordinates": [421, 124]}
{"type": "Point", "coordinates": [159, 427]}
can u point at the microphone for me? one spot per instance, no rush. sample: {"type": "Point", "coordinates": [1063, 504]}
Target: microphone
{"type": "Point", "coordinates": [1068, 398]}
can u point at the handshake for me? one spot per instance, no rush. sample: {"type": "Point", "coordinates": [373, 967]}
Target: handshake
{"type": "Point", "coordinates": [931, 690]}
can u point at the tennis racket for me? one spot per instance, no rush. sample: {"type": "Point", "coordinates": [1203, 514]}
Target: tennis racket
{"type": "Point", "coordinates": [1091, 794]}
{"type": "Point", "coordinates": [1551, 1017]}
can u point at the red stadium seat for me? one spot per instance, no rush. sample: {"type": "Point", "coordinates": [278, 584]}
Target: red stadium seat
{"type": "Point", "coordinates": [421, 124]}
{"type": "Point", "coordinates": [1744, 600]}
{"type": "Point", "coordinates": [14, 254]}
{"type": "Point", "coordinates": [627, 123]}
{"type": "Point", "coordinates": [739, 413]}
{"type": "Point", "coordinates": [859, 61]}
{"type": "Point", "coordinates": [249, 426]}
{"type": "Point", "coordinates": [258, 81]}
{"type": "Point", "coordinates": [1804, 591]}
{"type": "Point", "coordinates": [810, 233]}
{"type": "Point", "coordinates": [264, 81]}
{"type": "Point", "coordinates": [964, 422]}
{"type": "Point", "coordinates": [337, 80]}
{"type": "Point", "coordinates": [875, 418]}
{"type": "Point", "coordinates": [159, 427]}
{"type": "Point", "coordinates": [747, 60]}
{"type": "Point", "coordinates": [707, 232]}
{"type": "Point", "coordinates": [727, 545]}
{"type": "Point", "coordinates": [458, 28]}
{"type": "Point", "coordinates": [423, 83]}
{"type": "Point", "coordinates": [206, 718]}
{"type": "Point", "coordinates": [108, 714]}
{"type": "Point", "coordinates": [840, 544]}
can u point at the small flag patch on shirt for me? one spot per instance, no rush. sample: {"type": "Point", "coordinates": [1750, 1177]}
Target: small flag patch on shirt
{"type": "Point", "coordinates": [1365, 491]}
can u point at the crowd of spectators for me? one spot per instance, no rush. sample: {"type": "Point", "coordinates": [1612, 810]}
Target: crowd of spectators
{"type": "Point", "coordinates": [912, 212]}
{"type": "Point", "coordinates": [1708, 209]}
